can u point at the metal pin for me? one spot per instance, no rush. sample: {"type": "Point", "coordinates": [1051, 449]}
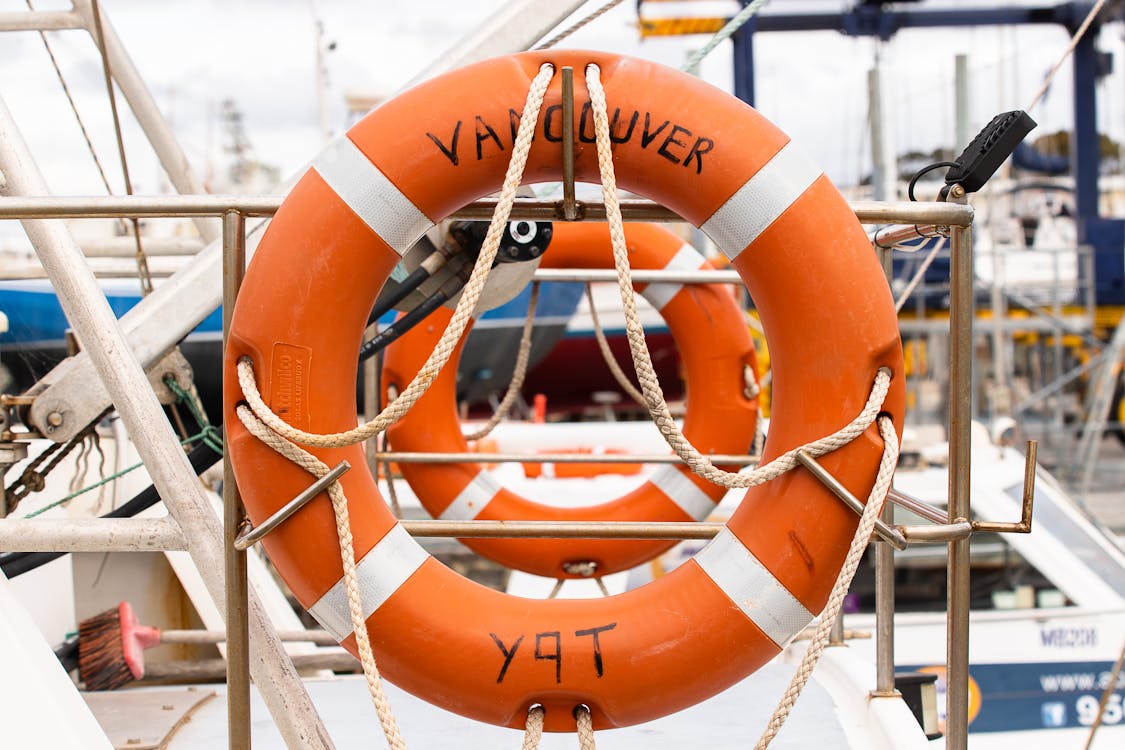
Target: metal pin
{"type": "Point", "coordinates": [916, 506]}
{"type": "Point", "coordinates": [570, 208]}
{"type": "Point", "coordinates": [254, 535]}
{"type": "Point", "coordinates": [888, 534]}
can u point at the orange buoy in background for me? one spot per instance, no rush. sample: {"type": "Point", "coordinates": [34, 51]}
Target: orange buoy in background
{"type": "Point", "coordinates": [720, 417]}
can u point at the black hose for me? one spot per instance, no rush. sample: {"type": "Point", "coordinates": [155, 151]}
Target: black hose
{"type": "Point", "coordinates": [387, 301]}
{"type": "Point", "coordinates": [924, 170]}
{"type": "Point", "coordinates": [202, 457]}
{"type": "Point", "coordinates": [395, 330]}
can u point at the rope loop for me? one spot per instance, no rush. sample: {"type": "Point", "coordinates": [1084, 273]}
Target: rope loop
{"type": "Point", "coordinates": [466, 306]}
{"type": "Point", "coordinates": [533, 732]}
{"type": "Point", "coordinates": [642, 360]}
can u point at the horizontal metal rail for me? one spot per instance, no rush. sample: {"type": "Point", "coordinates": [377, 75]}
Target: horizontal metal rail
{"type": "Point", "coordinates": [634, 530]}
{"type": "Point", "coordinates": [418, 457]}
{"type": "Point", "coordinates": [596, 275]}
{"type": "Point", "coordinates": [64, 207]}
{"type": "Point", "coordinates": [563, 529]}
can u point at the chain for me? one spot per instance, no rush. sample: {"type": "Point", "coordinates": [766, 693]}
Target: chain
{"type": "Point", "coordinates": [32, 479]}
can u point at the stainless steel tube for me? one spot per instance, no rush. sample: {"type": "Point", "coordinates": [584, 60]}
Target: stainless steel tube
{"type": "Point", "coordinates": [960, 414]}
{"type": "Point", "coordinates": [563, 530]}
{"type": "Point", "coordinates": [234, 559]}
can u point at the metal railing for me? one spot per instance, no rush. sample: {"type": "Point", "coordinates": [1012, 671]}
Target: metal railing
{"type": "Point", "coordinates": [955, 528]}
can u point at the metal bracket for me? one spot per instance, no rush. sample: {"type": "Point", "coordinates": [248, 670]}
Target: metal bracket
{"type": "Point", "coordinates": [942, 530]}
{"type": "Point", "coordinates": [254, 534]}
{"type": "Point", "coordinates": [886, 532]}
{"type": "Point", "coordinates": [1024, 524]}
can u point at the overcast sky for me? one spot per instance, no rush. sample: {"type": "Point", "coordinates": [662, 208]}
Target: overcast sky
{"type": "Point", "coordinates": [261, 54]}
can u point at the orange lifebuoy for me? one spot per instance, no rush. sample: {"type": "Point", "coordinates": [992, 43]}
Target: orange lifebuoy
{"type": "Point", "coordinates": [808, 266]}
{"type": "Point", "coordinates": [720, 416]}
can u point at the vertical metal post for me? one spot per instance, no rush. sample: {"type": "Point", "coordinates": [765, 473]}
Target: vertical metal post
{"type": "Point", "coordinates": [960, 410]}
{"type": "Point", "coordinates": [961, 99]}
{"type": "Point", "coordinates": [234, 561]}
{"type": "Point", "coordinates": [885, 177]}
{"type": "Point", "coordinates": [885, 577]}
{"type": "Point", "coordinates": [743, 41]}
{"type": "Point", "coordinates": [566, 81]}
{"type": "Point", "coordinates": [836, 634]}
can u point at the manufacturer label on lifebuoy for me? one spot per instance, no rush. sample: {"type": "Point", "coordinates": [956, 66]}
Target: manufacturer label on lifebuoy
{"type": "Point", "coordinates": [289, 384]}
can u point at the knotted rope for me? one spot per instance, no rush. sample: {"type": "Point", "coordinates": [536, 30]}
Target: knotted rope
{"type": "Point", "coordinates": [318, 468]}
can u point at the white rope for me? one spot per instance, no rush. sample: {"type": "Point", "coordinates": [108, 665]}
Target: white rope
{"type": "Point", "coordinates": [1066, 53]}
{"type": "Point", "coordinates": [921, 272]}
{"type": "Point", "coordinates": [571, 29]}
{"type": "Point", "coordinates": [728, 30]}
{"type": "Point", "coordinates": [461, 316]}
{"type": "Point", "coordinates": [317, 468]}
{"type": "Point", "coordinates": [646, 375]}
{"type": "Point", "coordinates": [585, 728]}
{"type": "Point", "coordinates": [607, 353]}
{"type": "Point", "coordinates": [533, 731]}
{"type": "Point", "coordinates": [843, 581]}
{"type": "Point", "coordinates": [519, 372]}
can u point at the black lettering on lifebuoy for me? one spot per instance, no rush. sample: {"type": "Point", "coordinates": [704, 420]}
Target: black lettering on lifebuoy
{"type": "Point", "coordinates": [598, 666]}
{"type": "Point", "coordinates": [548, 118]}
{"type": "Point", "coordinates": [555, 656]}
{"type": "Point", "coordinates": [507, 654]}
{"type": "Point", "coordinates": [587, 112]}
{"type": "Point", "coordinates": [514, 123]}
{"type": "Point", "coordinates": [485, 134]}
{"type": "Point", "coordinates": [663, 150]}
{"type": "Point", "coordinates": [613, 126]}
{"type": "Point", "coordinates": [450, 151]}
{"type": "Point", "coordinates": [702, 146]}
{"type": "Point", "coordinates": [647, 136]}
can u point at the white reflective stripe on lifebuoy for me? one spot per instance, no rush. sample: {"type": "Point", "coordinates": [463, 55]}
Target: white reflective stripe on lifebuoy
{"type": "Point", "coordinates": [748, 584]}
{"type": "Point", "coordinates": [471, 501]}
{"type": "Point", "coordinates": [683, 492]}
{"type": "Point", "coordinates": [381, 572]}
{"type": "Point", "coordinates": [687, 258]}
{"type": "Point", "coordinates": [373, 198]}
{"type": "Point", "coordinates": [758, 203]}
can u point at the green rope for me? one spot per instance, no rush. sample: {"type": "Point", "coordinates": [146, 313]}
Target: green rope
{"type": "Point", "coordinates": [208, 435]}
{"type": "Point", "coordinates": [723, 34]}
{"type": "Point", "coordinates": [189, 399]}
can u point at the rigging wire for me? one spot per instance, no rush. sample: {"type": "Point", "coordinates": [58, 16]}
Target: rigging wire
{"type": "Point", "coordinates": [74, 110]}
{"type": "Point", "coordinates": [571, 29]}
{"type": "Point", "coordinates": [691, 65]}
{"type": "Point", "coordinates": [99, 40]}
{"type": "Point", "coordinates": [1066, 53]}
